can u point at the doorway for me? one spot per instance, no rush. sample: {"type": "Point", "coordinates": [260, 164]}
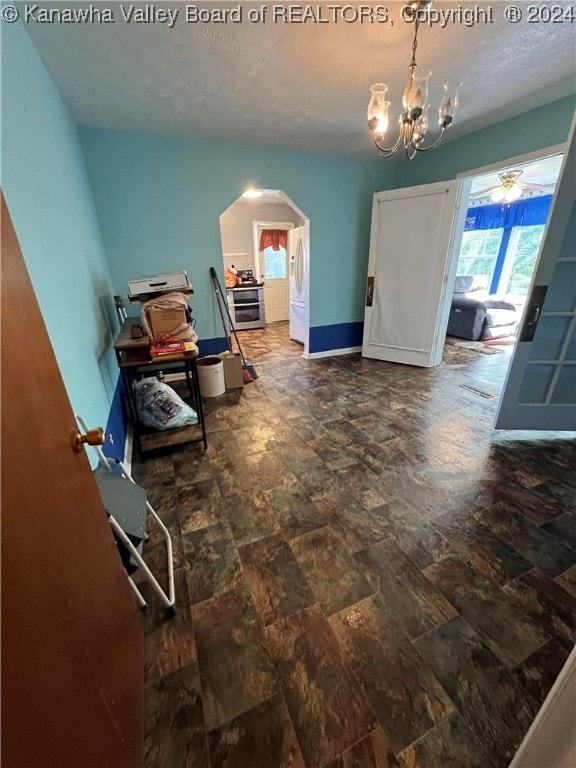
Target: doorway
{"type": "Point", "coordinates": [257, 251]}
{"type": "Point", "coordinates": [272, 267]}
{"type": "Point", "coordinates": [507, 210]}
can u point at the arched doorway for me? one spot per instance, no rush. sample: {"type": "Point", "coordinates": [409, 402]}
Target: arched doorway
{"type": "Point", "coordinates": [265, 238]}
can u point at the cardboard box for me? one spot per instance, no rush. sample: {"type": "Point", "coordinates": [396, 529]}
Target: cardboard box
{"type": "Point", "coordinates": [164, 321]}
{"type": "Point", "coordinates": [233, 372]}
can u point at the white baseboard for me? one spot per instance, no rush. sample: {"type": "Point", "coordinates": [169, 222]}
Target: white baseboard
{"type": "Point", "coordinates": [331, 352]}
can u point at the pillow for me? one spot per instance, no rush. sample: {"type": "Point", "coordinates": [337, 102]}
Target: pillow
{"type": "Point", "coordinates": [467, 302]}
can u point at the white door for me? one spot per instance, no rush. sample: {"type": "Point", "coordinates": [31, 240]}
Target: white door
{"type": "Point", "coordinates": [540, 389]}
{"type": "Point", "coordinates": [413, 255]}
{"type": "Point", "coordinates": [276, 283]}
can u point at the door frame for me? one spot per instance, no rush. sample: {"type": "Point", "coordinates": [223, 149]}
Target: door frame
{"type": "Point", "coordinates": [465, 178]}
{"type": "Point", "coordinates": [306, 242]}
{"type": "Point", "coordinates": [468, 176]}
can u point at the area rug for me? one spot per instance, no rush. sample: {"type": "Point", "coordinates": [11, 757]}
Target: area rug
{"type": "Point", "coordinates": [475, 346]}
{"type": "Point", "coordinates": [504, 341]}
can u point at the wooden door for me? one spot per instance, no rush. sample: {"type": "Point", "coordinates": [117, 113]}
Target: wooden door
{"type": "Point", "coordinates": [72, 649]}
{"type": "Point", "coordinates": [413, 243]}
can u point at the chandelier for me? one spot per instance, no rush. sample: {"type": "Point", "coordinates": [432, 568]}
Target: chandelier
{"type": "Point", "coordinates": [414, 117]}
{"type": "Point", "coordinates": [509, 190]}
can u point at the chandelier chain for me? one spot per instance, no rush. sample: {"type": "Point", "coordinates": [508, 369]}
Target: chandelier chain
{"type": "Point", "coordinates": [414, 44]}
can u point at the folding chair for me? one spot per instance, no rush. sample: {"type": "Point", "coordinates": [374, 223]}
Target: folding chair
{"type": "Point", "coordinates": [127, 509]}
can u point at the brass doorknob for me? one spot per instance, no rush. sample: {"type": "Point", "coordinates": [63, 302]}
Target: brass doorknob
{"type": "Point", "coordinates": [94, 436]}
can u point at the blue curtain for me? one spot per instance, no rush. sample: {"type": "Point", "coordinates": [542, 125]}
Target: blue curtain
{"type": "Point", "coordinates": [521, 213]}
{"type": "Point", "coordinates": [505, 216]}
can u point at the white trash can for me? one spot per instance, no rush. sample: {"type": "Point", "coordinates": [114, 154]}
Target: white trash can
{"type": "Point", "coordinates": [211, 376]}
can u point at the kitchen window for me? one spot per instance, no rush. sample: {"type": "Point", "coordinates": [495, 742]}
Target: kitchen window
{"type": "Point", "coordinates": [275, 263]}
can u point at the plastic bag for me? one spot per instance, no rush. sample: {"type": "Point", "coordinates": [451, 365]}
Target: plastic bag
{"type": "Point", "coordinates": [160, 407]}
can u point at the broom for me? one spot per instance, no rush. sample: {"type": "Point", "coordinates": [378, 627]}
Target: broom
{"type": "Point", "coordinates": [248, 370]}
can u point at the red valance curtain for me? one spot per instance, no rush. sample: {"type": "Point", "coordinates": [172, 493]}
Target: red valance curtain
{"type": "Point", "coordinates": [273, 238]}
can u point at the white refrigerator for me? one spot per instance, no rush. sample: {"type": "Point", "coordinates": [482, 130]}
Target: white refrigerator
{"type": "Point", "coordinates": [298, 298]}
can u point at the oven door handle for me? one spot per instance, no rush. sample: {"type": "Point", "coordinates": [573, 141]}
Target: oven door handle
{"type": "Point", "coordinates": [243, 306]}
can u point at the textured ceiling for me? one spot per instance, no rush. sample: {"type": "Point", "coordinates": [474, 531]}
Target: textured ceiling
{"type": "Point", "coordinates": [300, 85]}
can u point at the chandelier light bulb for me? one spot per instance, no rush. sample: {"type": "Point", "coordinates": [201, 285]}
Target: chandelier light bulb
{"type": "Point", "coordinates": [407, 95]}
{"type": "Point", "coordinates": [419, 96]}
{"type": "Point", "coordinates": [378, 110]}
{"type": "Point", "coordinates": [514, 193]}
{"type": "Point", "coordinates": [421, 126]}
{"type": "Point", "coordinates": [449, 104]}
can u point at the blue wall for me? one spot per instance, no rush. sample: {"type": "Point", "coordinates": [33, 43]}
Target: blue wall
{"type": "Point", "coordinates": [159, 199]}
{"type": "Point", "coordinates": [540, 128]}
{"type": "Point", "coordinates": [50, 201]}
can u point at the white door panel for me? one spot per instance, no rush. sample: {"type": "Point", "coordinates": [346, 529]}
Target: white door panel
{"type": "Point", "coordinates": [540, 389]}
{"type": "Point", "coordinates": [276, 300]}
{"type": "Point", "coordinates": [410, 259]}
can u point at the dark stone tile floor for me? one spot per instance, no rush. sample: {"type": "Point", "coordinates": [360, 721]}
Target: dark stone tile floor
{"type": "Point", "coordinates": [367, 574]}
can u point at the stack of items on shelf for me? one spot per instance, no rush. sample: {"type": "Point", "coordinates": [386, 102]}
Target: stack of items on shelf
{"type": "Point", "coordinates": [166, 327]}
{"type": "Point", "coordinates": [171, 350]}
{"type": "Point", "coordinates": [165, 315]}
{"type": "Point", "coordinates": [166, 319]}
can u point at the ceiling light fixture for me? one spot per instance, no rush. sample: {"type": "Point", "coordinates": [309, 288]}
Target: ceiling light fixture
{"type": "Point", "coordinates": [252, 194]}
{"type": "Point", "coordinates": [414, 117]}
{"type": "Point", "coordinates": [509, 190]}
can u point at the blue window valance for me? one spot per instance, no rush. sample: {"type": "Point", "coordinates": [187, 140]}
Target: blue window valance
{"type": "Point", "coordinates": [521, 213]}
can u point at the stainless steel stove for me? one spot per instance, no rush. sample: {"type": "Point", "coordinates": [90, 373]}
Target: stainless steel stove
{"type": "Point", "coordinates": [246, 305]}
